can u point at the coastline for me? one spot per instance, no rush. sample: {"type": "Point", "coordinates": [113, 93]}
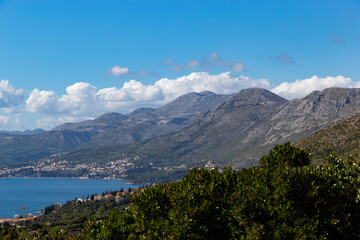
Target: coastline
{"type": "Point", "coordinates": [82, 178]}
{"type": "Point", "coordinates": [40, 192]}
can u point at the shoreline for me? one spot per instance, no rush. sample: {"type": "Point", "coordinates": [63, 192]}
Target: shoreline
{"type": "Point", "coordinates": [50, 190]}
{"type": "Point", "coordinates": [81, 178]}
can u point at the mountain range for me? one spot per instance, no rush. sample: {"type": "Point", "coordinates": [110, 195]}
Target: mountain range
{"type": "Point", "coordinates": [197, 129]}
{"type": "Point", "coordinates": [236, 133]}
{"type": "Point", "coordinates": [110, 128]}
{"type": "Point", "coordinates": [26, 132]}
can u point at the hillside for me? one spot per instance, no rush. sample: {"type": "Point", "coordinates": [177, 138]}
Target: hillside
{"type": "Point", "coordinates": [285, 197]}
{"type": "Point", "coordinates": [342, 137]}
{"type": "Point", "coordinates": [21, 148]}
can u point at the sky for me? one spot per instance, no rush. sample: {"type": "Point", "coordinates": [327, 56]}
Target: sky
{"type": "Point", "coordinates": [67, 61]}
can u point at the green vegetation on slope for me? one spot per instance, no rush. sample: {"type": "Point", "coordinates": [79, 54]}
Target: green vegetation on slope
{"type": "Point", "coordinates": [342, 137]}
{"type": "Point", "coordinates": [68, 220]}
{"type": "Point", "coordinates": [284, 198]}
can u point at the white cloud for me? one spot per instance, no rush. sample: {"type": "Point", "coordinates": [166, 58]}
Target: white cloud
{"type": "Point", "coordinates": [10, 122]}
{"type": "Point", "coordinates": [124, 71]}
{"type": "Point", "coordinates": [301, 88]}
{"type": "Point", "coordinates": [51, 122]}
{"type": "Point", "coordinates": [223, 83]}
{"type": "Point", "coordinates": [84, 100]}
{"type": "Point", "coordinates": [4, 119]}
{"type": "Point", "coordinates": [9, 96]}
{"type": "Point", "coordinates": [118, 71]}
{"type": "Point", "coordinates": [42, 102]}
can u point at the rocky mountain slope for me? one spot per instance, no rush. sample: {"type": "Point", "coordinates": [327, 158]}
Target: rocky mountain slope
{"type": "Point", "coordinates": [110, 128]}
{"type": "Point", "coordinates": [245, 127]}
{"type": "Point", "coordinates": [342, 137]}
{"type": "Point", "coordinates": [145, 123]}
{"type": "Point", "coordinates": [236, 133]}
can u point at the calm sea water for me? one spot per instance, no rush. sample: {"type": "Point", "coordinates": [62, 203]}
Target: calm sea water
{"type": "Point", "coordinates": [38, 193]}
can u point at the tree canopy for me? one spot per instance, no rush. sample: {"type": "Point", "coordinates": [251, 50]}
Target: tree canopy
{"type": "Point", "coordinates": [283, 198]}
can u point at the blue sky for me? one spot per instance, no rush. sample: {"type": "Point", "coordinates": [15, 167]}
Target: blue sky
{"type": "Point", "coordinates": [74, 60]}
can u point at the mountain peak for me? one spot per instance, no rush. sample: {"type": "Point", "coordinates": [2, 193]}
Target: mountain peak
{"type": "Point", "coordinates": [253, 96]}
{"type": "Point", "coordinates": [206, 93]}
{"type": "Point", "coordinates": [333, 93]}
{"type": "Point", "coordinates": [112, 116]}
{"type": "Point", "coordinates": [193, 102]}
{"type": "Point", "coordinates": [143, 110]}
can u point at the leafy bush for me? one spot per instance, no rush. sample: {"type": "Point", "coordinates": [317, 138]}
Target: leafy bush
{"type": "Point", "coordinates": [284, 198]}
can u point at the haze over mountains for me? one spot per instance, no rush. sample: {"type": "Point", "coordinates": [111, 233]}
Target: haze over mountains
{"type": "Point", "coordinates": [26, 132]}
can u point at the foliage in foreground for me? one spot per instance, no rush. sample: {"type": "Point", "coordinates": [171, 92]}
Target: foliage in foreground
{"type": "Point", "coordinates": [63, 223]}
{"type": "Point", "coordinates": [284, 198]}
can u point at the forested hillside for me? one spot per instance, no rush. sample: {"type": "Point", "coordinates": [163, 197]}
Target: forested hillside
{"type": "Point", "coordinates": [285, 197]}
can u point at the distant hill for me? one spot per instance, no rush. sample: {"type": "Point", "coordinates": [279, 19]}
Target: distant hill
{"type": "Point", "coordinates": [110, 128]}
{"type": "Point", "coordinates": [23, 148]}
{"type": "Point", "coordinates": [26, 132]}
{"type": "Point", "coordinates": [145, 123]}
{"type": "Point", "coordinates": [342, 137]}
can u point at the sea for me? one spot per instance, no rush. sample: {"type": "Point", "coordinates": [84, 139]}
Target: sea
{"type": "Point", "coordinates": [34, 194]}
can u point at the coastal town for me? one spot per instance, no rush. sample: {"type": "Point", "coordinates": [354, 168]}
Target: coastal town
{"type": "Point", "coordinates": [49, 168]}
{"type": "Point", "coordinates": [55, 167]}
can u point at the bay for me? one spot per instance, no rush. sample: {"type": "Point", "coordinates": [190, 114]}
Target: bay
{"type": "Point", "coordinates": [38, 193]}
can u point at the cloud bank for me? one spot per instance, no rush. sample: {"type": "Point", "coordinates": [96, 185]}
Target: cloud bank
{"type": "Point", "coordinates": [301, 88]}
{"type": "Point", "coordinates": [9, 96]}
{"type": "Point", "coordinates": [84, 101]}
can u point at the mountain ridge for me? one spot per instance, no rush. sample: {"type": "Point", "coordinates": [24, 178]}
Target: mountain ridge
{"type": "Point", "coordinates": [107, 129]}
{"type": "Point", "coordinates": [237, 132]}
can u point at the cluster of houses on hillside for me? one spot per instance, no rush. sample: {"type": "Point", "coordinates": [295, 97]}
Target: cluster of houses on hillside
{"type": "Point", "coordinates": [118, 196]}
{"type": "Point", "coordinates": [45, 167]}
